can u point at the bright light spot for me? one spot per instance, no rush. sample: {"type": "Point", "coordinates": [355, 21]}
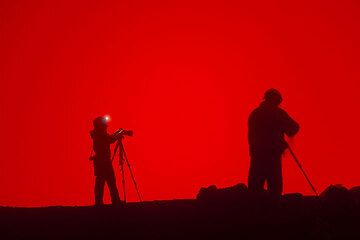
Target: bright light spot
{"type": "Point", "coordinates": [107, 118]}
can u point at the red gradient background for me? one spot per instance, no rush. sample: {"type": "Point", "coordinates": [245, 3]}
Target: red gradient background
{"type": "Point", "coordinates": [184, 75]}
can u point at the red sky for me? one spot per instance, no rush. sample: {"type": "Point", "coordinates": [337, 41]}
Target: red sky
{"type": "Point", "coordinates": [184, 75]}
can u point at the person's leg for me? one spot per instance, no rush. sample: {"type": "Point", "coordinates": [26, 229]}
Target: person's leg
{"type": "Point", "coordinates": [114, 193]}
{"type": "Point", "coordinates": [275, 181]}
{"type": "Point", "coordinates": [99, 190]}
{"type": "Point", "coordinates": [256, 178]}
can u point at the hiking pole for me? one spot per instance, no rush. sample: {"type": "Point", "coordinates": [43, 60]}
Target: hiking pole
{"type": "Point", "coordinates": [301, 168]}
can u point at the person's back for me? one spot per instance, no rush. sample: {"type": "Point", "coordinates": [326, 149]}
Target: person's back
{"type": "Point", "coordinates": [267, 126]}
{"type": "Point", "coordinates": [101, 146]}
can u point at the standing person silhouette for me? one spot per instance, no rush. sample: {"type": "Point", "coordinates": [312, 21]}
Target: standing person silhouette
{"type": "Point", "coordinates": [267, 126]}
{"type": "Point", "coordinates": [103, 168]}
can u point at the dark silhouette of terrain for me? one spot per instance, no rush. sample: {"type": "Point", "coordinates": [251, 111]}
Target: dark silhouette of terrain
{"type": "Point", "coordinates": [230, 213]}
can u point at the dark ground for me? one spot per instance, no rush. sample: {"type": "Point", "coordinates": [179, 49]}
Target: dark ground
{"type": "Point", "coordinates": [294, 217]}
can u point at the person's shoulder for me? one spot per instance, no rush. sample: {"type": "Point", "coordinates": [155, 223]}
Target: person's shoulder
{"type": "Point", "coordinates": [258, 109]}
{"type": "Point", "coordinates": [100, 134]}
{"type": "Point", "coordinates": [255, 111]}
{"type": "Point", "coordinates": [282, 113]}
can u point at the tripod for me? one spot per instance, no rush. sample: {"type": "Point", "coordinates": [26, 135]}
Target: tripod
{"type": "Point", "coordinates": [301, 168]}
{"type": "Point", "coordinates": [123, 158]}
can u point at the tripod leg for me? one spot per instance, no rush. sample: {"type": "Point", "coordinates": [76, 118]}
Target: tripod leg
{"type": "Point", "coordinates": [121, 162]}
{"type": "Point", "coordinates": [132, 175]}
{"type": "Point", "coordinates": [123, 180]}
{"type": "Point", "coordinates": [116, 148]}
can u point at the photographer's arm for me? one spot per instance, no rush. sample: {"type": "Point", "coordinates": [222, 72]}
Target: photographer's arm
{"type": "Point", "coordinates": [290, 125]}
{"type": "Point", "coordinates": [115, 136]}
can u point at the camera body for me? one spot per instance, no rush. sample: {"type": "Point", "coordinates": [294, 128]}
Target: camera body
{"type": "Point", "coordinates": [121, 133]}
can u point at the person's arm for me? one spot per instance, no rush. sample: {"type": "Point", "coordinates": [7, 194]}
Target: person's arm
{"type": "Point", "coordinates": [111, 138]}
{"type": "Point", "coordinates": [291, 127]}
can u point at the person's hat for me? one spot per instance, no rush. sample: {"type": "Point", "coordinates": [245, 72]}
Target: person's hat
{"type": "Point", "coordinates": [272, 95]}
{"type": "Point", "coordinates": [100, 122]}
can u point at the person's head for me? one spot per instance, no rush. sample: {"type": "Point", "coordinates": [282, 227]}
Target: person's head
{"type": "Point", "coordinates": [100, 123]}
{"type": "Point", "coordinates": [273, 97]}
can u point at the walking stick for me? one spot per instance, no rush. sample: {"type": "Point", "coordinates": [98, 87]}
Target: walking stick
{"type": "Point", "coordinates": [301, 168]}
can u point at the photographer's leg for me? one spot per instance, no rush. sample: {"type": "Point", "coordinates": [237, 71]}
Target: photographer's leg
{"type": "Point", "coordinates": [99, 190]}
{"type": "Point", "coordinates": [114, 193]}
{"type": "Point", "coordinates": [275, 181]}
{"type": "Point", "coordinates": [256, 178]}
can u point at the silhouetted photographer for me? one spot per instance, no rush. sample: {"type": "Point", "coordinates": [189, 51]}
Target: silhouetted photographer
{"type": "Point", "coordinates": [268, 124]}
{"type": "Point", "coordinates": [103, 168]}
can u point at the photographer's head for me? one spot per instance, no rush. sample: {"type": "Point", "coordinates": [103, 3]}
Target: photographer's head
{"type": "Point", "coordinates": [273, 97]}
{"type": "Point", "coordinates": [100, 123]}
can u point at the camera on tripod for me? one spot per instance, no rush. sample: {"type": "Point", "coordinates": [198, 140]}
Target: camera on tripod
{"type": "Point", "coordinates": [120, 133]}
